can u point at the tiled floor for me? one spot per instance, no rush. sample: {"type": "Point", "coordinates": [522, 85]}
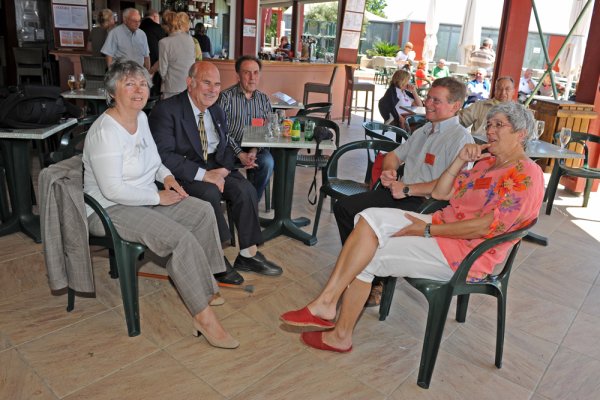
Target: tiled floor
{"type": "Point", "coordinates": [551, 346]}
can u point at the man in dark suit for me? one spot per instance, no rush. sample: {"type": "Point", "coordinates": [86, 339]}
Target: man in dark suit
{"type": "Point", "coordinates": [190, 131]}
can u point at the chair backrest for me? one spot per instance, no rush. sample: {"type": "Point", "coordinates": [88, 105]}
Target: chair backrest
{"type": "Point", "coordinates": [327, 123]}
{"type": "Point", "coordinates": [333, 75]}
{"type": "Point", "coordinates": [330, 171]}
{"type": "Point", "coordinates": [378, 130]}
{"type": "Point", "coordinates": [316, 108]}
{"type": "Point", "coordinates": [71, 142]}
{"type": "Point", "coordinates": [94, 67]}
{"type": "Point", "coordinates": [29, 56]}
{"type": "Point", "coordinates": [577, 143]}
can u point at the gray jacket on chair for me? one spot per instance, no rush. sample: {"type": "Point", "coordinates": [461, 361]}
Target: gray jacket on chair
{"type": "Point", "coordinates": [64, 226]}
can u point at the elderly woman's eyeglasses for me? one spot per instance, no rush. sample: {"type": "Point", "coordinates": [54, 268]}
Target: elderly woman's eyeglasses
{"type": "Point", "coordinates": [497, 125]}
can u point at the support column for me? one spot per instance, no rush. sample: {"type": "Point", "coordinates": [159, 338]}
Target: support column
{"type": "Point", "coordinates": [346, 51]}
{"type": "Point", "coordinates": [297, 26]}
{"type": "Point", "coordinates": [246, 19]}
{"type": "Point", "coordinates": [512, 39]}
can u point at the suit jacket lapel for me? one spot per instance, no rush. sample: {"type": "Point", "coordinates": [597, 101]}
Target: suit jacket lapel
{"type": "Point", "coordinates": [189, 124]}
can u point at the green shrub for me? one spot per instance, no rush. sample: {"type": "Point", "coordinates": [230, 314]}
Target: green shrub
{"type": "Point", "coordinates": [384, 49]}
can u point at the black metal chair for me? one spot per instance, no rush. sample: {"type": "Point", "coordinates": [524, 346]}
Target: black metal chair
{"type": "Point", "coordinates": [319, 159]}
{"type": "Point", "coordinates": [336, 187]}
{"type": "Point", "coordinates": [439, 296]}
{"type": "Point", "coordinates": [30, 61]}
{"type": "Point", "coordinates": [316, 108]}
{"type": "Point", "coordinates": [575, 168]}
{"type": "Point", "coordinates": [316, 87]}
{"type": "Point", "coordinates": [94, 69]}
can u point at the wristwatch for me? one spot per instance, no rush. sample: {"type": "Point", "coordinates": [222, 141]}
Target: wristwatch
{"type": "Point", "coordinates": [406, 190]}
{"type": "Point", "coordinates": [427, 232]}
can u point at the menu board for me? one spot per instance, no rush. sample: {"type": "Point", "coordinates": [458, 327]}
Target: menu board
{"type": "Point", "coordinates": [70, 23]}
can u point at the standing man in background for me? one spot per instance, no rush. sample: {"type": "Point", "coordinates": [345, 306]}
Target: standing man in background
{"type": "Point", "coordinates": [154, 32]}
{"type": "Point", "coordinates": [127, 41]}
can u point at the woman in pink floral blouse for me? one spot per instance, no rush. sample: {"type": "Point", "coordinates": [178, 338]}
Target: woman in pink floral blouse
{"type": "Point", "coordinates": [501, 193]}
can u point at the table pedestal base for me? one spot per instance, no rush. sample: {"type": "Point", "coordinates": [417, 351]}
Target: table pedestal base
{"type": "Point", "coordinates": [537, 239]}
{"type": "Point", "coordinates": [283, 193]}
{"type": "Point", "coordinates": [18, 173]}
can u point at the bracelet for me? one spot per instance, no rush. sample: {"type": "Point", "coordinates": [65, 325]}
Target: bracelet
{"type": "Point", "coordinates": [450, 173]}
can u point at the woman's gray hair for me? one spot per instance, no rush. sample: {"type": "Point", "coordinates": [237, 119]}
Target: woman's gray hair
{"type": "Point", "coordinates": [118, 71]}
{"type": "Point", "coordinates": [519, 117]}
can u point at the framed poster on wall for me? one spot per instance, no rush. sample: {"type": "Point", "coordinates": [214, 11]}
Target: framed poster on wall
{"type": "Point", "coordinates": [70, 23]}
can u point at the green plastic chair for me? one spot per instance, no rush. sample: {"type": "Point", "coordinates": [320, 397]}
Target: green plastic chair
{"type": "Point", "coordinates": [123, 258]}
{"type": "Point", "coordinates": [564, 167]}
{"type": "Point", "coordinates": [439, 296]}
{"type": "Point", "coordinates": [337, 188]}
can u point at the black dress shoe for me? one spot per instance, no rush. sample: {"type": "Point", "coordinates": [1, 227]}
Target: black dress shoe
{"type": "Point", "coordinates": [230, 276]}
{"type": "Point", "coordinates": [258, 264]}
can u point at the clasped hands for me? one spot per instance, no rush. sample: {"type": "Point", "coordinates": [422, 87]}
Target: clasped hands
{"type": "Point", "coordinates": [248, 159]}
{"type": "Point", "coordinates": [389, 180]}
{"type": "Point", "coordinates": [173, 192]}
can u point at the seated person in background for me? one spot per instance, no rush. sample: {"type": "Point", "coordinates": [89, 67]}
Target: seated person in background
{"type": "Point", "coordinates": [425, 155]}
{"type": "Point", "coordinates": [243, 103]}
{"type": "Point", "coordinates": [284, 46]}
{"type": "Point", "coordinates": [526, 83]}
{"type": "Point", "coordinates": [400, 93]}
{"type": "Point", "coordinates": [121, 164]}
{"type": "Point", "coordinates": [546, 87]}
{"type": "Point", "coordinates": [190, 131]}
{"type": "Point", "coordinates": [485, 56]}
{"type": "Point", "coordinates": [478, 88]}
{"type": "Point", "coordinates": [406, 56]}
{"type": "Point", "coordinates": [475, 115]}
{"type": "Point", "coordinates": [440, 70]}
{"type": "Point", "coordinates": [423, 78]}
{"type": "Point", "coordinates": [397, 243]}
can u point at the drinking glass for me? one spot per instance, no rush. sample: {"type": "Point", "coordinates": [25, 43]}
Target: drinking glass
{"type": "Point", "coordinates": [539, 130]}
{"type": "Point", "coordinates": [71, 83]}
{"type": "Point", "coordinates": [82, 82]}
{"type": "Point", "coordinates": [273, 125]}
{"type": "Point", "coordinates": [309, 130]}
{"type": "Point", "coordinates": [564, 137]}
{"type": "Point", "coordinates": [280, 115]}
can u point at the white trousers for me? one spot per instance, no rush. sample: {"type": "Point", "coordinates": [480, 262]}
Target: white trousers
{"type": "Point", "coordinates": [405, 256]}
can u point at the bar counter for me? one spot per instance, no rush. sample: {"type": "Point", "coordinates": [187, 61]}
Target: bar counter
{"type": "Point", "coordinates": [289, 78]}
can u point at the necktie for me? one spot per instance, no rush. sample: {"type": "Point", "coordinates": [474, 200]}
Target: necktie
{"type": "Point", "coordinates": [203, 137]}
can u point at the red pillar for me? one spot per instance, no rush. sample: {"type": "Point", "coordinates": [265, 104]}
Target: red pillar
{"type": "Point", "coordinates": [588, 90]}
{"type": "Point", "coordinates": [512, 39]}
{"type": "Point", "coordinates": [246, 19]}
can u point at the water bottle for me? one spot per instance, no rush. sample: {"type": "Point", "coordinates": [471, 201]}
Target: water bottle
{"type": "Point", "coordinates": [296, 130]}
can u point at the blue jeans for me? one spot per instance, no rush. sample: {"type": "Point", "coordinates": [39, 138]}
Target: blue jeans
{"type": "Point", "coordinates": [259, 176]}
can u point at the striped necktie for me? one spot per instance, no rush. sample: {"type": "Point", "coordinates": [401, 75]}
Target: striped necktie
{"type": "Point", "coordinates": [203, 137]}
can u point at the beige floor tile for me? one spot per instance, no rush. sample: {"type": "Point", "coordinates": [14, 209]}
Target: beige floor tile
{"type": "Point", "coordinates": [455, 378]}
{"type": "Point", "coordinates": [383, 355]}
{"type": "Point", "coordinates": [156, 377]}
{"type": "Point", "coordinates": [72, 358]}
{"type": "Point", "coordinates": [306, 376]}
{"type": "Point", "coordinates": [535, 279]}
{"type": "Point", "coordinates": [5, 343]}
{"type": "Point", "coordinates": [571, 375]}
{"type": "Point", "coordinates": [591, 305]}
{"type": "Point", "coordinates": [37, 312]}
{"type": "Point", "coordinates": [232, 371]}
{"type": "Point", "coordinates": [18, 381]}
{"type": "Point", "coordinates": [583, 335]}
{"type": "Point", "coordinates": [533, 315]}
{"type": "Point", "coordinates": [18, 245]}
{"type": "Point", "coordinates": [525, 357]}
{"type": "Point", "coordinates": [22, 274]}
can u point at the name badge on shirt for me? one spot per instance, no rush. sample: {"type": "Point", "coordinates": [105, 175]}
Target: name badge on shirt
{"type": "Point", "coordinates": [429, 159]}
{"type": "Point", "coordinates": [483, 183]}
{"type": "Point", "coordinates": [258, 122]}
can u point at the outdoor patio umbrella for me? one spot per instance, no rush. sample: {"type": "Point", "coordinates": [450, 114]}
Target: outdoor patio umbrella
{"type": "Point", "coordinates": [431, 28]}
{"type": "Point", "coordinates": [470, 34]}
{"type": "Point", "coordinates": [572, 58]}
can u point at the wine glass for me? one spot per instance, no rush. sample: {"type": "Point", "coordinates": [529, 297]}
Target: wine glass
{"type": "Point", "coordinates": [564, 137]}
{"type": "Point", "coordinates": [539, 131]}
{"type": "Point", "coordinates": [82, 82]}
{"type": "Point", "coordinates": [71, 83]}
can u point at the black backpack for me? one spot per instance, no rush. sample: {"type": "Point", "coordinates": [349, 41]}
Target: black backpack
{"type": "Point", "coordinates": [33, 107]}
